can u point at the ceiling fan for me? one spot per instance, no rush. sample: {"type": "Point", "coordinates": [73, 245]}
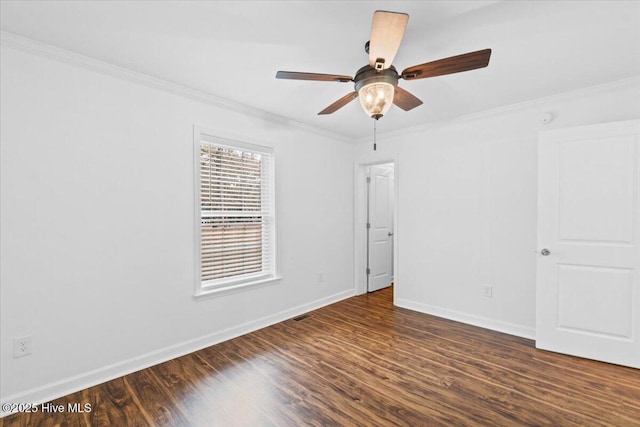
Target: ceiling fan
{"type": "Point", "coordinates": [376, 84]}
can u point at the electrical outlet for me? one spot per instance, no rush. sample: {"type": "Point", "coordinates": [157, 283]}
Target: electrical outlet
{"type": "Point", "coordinates": [21, 346]}
{"type": "Point", "coordinates": [320, 277]}
{"type": "Point", "coordinates": [487, 291]}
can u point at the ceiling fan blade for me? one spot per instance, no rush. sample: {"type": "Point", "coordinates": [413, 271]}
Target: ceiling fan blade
{"type": "Point", "coordinates": [339, 103]}
{"type": "Point", "coordinates": [453, 64]}
{"type": "Point", "coordinates": [387, 30]}
{"type": "Point", "coordinates": [405, 100]}
{"type": "Point", "coordinates": [293, 75]}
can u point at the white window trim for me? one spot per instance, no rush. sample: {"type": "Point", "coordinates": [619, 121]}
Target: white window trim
{"type": "Point", "coordinates": [225, 287]}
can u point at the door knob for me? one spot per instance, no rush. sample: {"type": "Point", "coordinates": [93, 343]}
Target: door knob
{"type": "Point", "coordinates": [390, 234]}
{"type": "Point", "coordinates": [545, 252]}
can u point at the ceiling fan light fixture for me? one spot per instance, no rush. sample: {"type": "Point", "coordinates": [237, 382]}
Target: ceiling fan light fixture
{"type": "Point", "coordinates": [376, 89]}
{"type": "Point", "coordinates": [376, 98]}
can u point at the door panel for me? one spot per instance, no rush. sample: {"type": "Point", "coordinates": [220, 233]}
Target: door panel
{"type": "Point", "coordinates": [595, 300]}
{"type": "Point", "coordinates": [596, 190]}
{"type": "Point", "coordinates": [588, 285]}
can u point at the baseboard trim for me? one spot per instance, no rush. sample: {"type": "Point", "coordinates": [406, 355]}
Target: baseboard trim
{"type": "Point", "coordinates": [470, 319]}
{"type": "Point", "coordinates": [62, 388]}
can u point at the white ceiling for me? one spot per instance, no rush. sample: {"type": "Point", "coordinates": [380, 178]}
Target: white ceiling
{"type": "Point", "coordinates": [232, 49]}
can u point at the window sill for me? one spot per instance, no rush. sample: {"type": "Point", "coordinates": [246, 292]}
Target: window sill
{"type": "Point", "coordinates": [232, 289]}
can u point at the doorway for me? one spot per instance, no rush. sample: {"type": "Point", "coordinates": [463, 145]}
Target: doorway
{"type": "Point", "coordinates": [380, 202]}
{"type": "Point", "coordinates": [361, 205]}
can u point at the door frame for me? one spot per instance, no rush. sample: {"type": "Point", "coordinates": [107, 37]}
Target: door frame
{"type": "Point", "coordinates": [360, 225]}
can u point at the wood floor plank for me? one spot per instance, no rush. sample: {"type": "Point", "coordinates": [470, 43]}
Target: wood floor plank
{"type": "Point", "coordinates": [159, 407]}
{"type": "Point", "coordinates": [470, 339]}
{"type": "Point", "coordinates": [468, 379]}
{"type": "Point", "coordinates": [376, 376]}
{"type": "Point", "coordinates": [401, 371]}
{"type": "Point", "coordinates": [481, 367]}
{"type": "Point", "coordinates": [464, 336]}
{"type": "Point", "coordinates": [627, 398]}
{"type": "Point", "coordinates": [362, 362]}
{"type": "Point", "coordinates": [206, 396]}
{"type": "Point", "coordinates": [111, 405]}
{"type": "Point", "coordinates": [304, 395]}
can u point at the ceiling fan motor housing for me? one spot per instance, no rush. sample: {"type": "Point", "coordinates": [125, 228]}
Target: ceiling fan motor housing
{"type": "Point", "coordinates": [367, 75]}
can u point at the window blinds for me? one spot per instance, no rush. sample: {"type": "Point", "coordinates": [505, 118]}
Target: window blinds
{"type": "Point", "coordinates": [236, 214]}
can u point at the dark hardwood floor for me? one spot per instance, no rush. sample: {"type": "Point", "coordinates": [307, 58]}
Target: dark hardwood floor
{"type": "Point", "coordinates": [362, 362]}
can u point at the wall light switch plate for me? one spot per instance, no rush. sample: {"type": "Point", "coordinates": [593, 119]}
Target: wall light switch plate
{"type": "Point", "coordinates": [487, 291]}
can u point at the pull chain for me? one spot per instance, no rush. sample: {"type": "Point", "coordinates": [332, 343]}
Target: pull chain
{"type": "Point", "coordinates": [374, 135]}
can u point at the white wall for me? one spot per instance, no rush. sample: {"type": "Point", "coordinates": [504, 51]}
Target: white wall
{"type": "Point", "coordinates": [97, 226]}
{"type": "Point", "coordinates": [466, 199]}
{"type": "Point", "coordinates": [97, 219]}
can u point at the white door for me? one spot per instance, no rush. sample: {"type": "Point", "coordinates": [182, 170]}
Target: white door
{"type": "Point", "coordinates": [380, 222]}
{"type": "Point", "coordinates": [588, 280]}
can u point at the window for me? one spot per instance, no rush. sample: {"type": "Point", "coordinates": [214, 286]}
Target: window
{"type": "Point", "coordinates": [236, 233]}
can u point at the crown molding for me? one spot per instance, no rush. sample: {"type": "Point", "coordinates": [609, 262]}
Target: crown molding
{"type": "Point", "coordinates": [44, 50]}
{"type": "Point", "coordinates": [51, 52]}
{"type": "Point", "coordinates": [629, 82]}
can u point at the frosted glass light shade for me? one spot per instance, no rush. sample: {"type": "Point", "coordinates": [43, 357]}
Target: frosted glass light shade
{"type": "Point", "coordinates": [376, 98]}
